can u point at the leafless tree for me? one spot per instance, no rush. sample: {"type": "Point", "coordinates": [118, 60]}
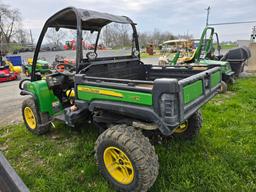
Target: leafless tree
{"type": "Point", "coordinates": [10, 22]}
{"type": "Point", "coordinates": [144, 39]}
{"type": "Point", "coordinates": [55, 37]}
{"type": "Point", "coordinates": [116, 35]}
{"type": "Point", "coordinates": [90, 37]}
{"type": "Point", "coordinates": [22, 37]}
{"type": "Point", "coordinates": [154, 38]}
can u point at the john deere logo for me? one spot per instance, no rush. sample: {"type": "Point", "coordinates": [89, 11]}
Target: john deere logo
{"type": "Point", "coordinates": [136, 98]}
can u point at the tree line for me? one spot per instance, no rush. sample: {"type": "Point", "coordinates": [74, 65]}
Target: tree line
{"type": "Point", "coordinates": [119, 35]}
{"type": "Point", "coordinates": [113, 35]}
{"type": "Point", "coordinates": [11, 30]}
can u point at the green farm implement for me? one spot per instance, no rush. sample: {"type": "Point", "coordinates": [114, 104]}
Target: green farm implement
{"type": "Point", "coordinates": [42, 67]}
{"type": "Point", "coordinates": [231, 64]}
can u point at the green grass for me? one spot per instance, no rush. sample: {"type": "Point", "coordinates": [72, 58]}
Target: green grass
{"type": "Point", "coordinates": [145, 55]}
{"type": "Point", "coordinates": [222, 158]}
{"type": "Point", "coordinates": [228, 46]}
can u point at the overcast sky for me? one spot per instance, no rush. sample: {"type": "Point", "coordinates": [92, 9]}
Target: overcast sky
{"type": "Point", "coordinates": [176, 16]}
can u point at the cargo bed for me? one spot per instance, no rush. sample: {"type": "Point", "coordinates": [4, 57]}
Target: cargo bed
{"type": "Point", "coordinates": [133, 83]}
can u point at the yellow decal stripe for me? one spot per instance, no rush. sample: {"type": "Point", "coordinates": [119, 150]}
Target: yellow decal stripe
{"type": "Point", "coordinates": [100, 91]}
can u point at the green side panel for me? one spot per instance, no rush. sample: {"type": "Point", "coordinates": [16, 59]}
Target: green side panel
{"type": "Point", "coordinates": [224, 65]}
{"type": "Point", "coordinates": [215, 79]}
{"type": "Point", "coordinates": [212, 62]}
{"type": "Point", "coordinates": [192, 91]}
{"type": "Point", "coordinates": [90, 93]}
{"type": "Point", "coordinates": [45, 97]}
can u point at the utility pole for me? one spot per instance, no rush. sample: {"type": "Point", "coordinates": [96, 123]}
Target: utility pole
{"type": "Point", "coordinates": [31, 39]}
{"type": "Point", "coordinates": [1, 44]}
{"type": "Point", "coordinates": [207, 18]}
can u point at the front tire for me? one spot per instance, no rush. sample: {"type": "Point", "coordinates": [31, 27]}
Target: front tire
{"type": "Point", "coordinates": [35, 121]}
{"type": "Point", "coordinates": [190, 128]}
{"type": "Point", "coordinates": [126, 158]}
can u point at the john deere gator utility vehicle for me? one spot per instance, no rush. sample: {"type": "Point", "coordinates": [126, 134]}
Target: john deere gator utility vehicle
{"type": "Point", "coordinates": [121, 95]}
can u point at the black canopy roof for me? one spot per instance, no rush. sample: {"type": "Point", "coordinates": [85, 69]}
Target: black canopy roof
{"type": "Point", "coordinates": [90, 20]}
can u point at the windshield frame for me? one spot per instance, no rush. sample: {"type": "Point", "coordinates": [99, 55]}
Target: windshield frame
{"type": "Point", "coordinates": [82, 19]}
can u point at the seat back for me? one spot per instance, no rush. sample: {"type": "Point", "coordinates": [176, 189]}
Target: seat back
{"type": "Point", "coordinates": [126, 69]}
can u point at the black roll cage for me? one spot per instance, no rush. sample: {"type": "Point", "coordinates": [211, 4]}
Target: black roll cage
{"type": "Point", "coordinates": [81, 19]}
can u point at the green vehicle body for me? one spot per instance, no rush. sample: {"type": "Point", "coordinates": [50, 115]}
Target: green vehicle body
{"type": "Point", "coordinates": [205, 44]}
{"type": "Point", "coordinates": [48, 103]}
{"type": "Point", "coordinates": [224, 65]}
{"type": "Point", "coordinates": [43, 96]}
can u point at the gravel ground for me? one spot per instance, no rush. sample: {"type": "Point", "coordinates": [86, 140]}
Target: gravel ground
{"type": "Point", "coordinates": [10, 100]}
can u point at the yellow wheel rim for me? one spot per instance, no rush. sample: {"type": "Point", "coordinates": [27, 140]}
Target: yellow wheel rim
{"type": "Point", "coordinates": [30, 117]}
{"type": "Point", "coordinates": [118, 165]}
{"type": "Point", "coordinates": [182, 127]}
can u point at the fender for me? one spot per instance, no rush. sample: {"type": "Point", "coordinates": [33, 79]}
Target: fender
{"type": "Point", "coordinates": [41, 93]}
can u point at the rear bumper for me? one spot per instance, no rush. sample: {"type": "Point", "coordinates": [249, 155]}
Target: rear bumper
{"type": "Point", "coordinates": [133, 111]}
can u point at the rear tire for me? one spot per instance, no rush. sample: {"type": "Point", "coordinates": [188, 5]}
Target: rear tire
{"type": "Point", "coordinates": [140, 155]}
{"type": "Point", "coordinates": [193, 126]}
{"type": "Point", "coordinates": [35, 121]}
{"type": "Point", "coordinates": [223, 87]}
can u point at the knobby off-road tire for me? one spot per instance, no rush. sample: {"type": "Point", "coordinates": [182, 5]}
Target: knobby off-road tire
{"type": "Point", "coordinates": [33, 118]}
{"type": "Point", "coordinates": [193, 126]}
{"type": "Point", "coordinates": [127, 140]}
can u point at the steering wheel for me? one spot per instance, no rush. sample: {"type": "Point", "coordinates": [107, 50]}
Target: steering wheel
{"type": "Point", "coordinates": [59, 58]}
{"type": "Point", "coordinates": [91, 55]}
{"type": "Point", "coordinates": [65, 68]}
